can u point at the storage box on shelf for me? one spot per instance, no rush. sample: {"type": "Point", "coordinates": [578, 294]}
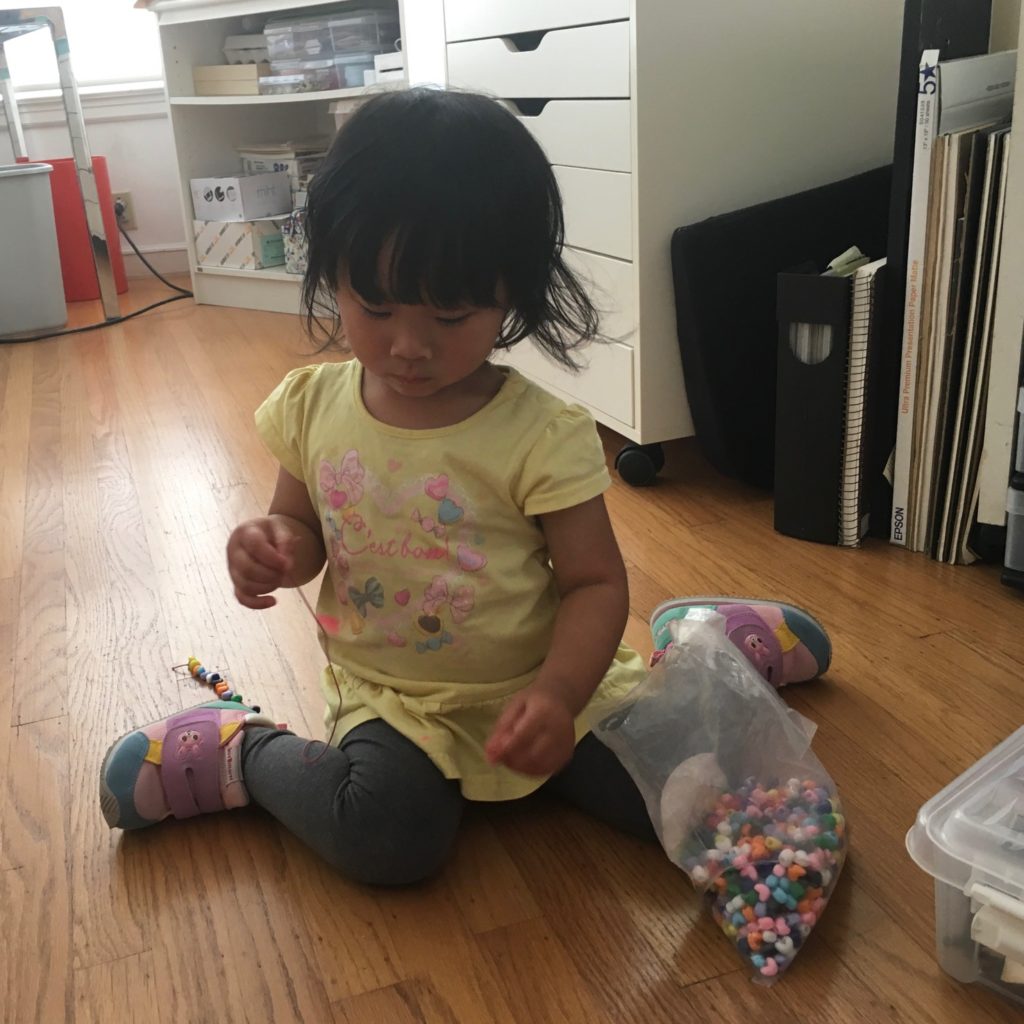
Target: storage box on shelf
{"type": "Point", "coordinates": [246, 49]}
{"type": "Point", "coordinates": [243, 197]}
{"type": "Point", "coordinates": [239, 245]}
{"type": "Point", "coordinates": [229, 79]}
{"type": "Point", "coordinates": [645, 134]}
{"type": "Point", "coordinates": [970, 839]}
{"type": "Point", "coordinates": [285, 76]}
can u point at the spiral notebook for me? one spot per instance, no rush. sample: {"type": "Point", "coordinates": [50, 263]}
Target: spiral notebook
{"type": "Point", "coordinates": [864, 310]}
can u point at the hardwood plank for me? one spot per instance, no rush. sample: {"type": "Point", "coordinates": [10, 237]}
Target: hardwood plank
{"type": "Point", "coordinates": [9, 589]}
{"type": "Point", "coordinates": [41, 643]}
{"type": "Point", "coordinates": [633, 969]}
{"type": "Point", "coordinates": [487, 885]}
{"type": "Point", "coordinates": [222, 925]}
{"type": "Point", "coordinates": [15, 418]}
{"type": "Point", "coordinates": [541, 983]}
{"type": "Point", "coordinates": [347, 923]}
{"type": "Point", "coordinates": [35, 970]}
{"type": "Point", "coordinates": [408, 1002]}
{"type": "Point", "coordinates": [117, 654]}
{"type": "Point", "coordinates": [123, 988]}
{"type": "Point", "coordinates": [441, 947]}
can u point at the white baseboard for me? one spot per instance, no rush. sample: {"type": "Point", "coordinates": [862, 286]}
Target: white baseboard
{"type": "Point", "coordinates": [167, 260]}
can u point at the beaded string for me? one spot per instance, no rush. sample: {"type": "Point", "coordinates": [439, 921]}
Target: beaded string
{"type": "Point", "coordinates": [222, 688]}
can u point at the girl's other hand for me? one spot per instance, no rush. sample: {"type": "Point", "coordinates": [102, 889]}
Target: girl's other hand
{"type": "Point", "coordinates": [534, 735]}
{"type": "Point", "coordinates": [259, 560]}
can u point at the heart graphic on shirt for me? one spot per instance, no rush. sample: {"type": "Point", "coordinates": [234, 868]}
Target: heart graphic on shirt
{"type": "Point", "coordinates": [329, 624]}
{"type": "Point", "coordinates": [338, 498]}
{"type": "Point", "coordinates": [448, 512]}
{"type": "Point", "coordinates": [395, 640]}
{"type": "Point", "coordinates": [394, 465]}
{"type": "Point", "coordinates": [402, 598]}
{"type": "Point", "coordinates": [437, 487]}
{"type": "Point", "coordinates": [470, 560]}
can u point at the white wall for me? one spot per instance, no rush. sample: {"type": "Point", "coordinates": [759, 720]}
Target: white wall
{"type": "Point", "coordinates": [1005, 20]}
{"type": "Point", "coordinates": [132, 130]}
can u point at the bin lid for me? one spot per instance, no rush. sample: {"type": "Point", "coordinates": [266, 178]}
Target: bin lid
{"type": "Point", "coordinates": [973, 831]}
{"type": "Point", "coordinates": [14, 170]}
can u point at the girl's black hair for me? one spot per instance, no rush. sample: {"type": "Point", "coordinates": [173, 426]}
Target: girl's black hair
{"type": "Point", "coordinates": [460, 199]}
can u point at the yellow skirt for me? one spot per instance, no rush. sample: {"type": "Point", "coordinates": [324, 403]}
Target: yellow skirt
{"type": "Point", "coordinates": [451, 722]}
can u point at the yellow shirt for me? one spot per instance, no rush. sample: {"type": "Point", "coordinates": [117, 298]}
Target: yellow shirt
{"type": "Point", "coordinates": [438, 573]}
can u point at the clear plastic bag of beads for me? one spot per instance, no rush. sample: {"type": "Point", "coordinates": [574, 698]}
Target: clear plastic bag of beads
{"type": "Point", "coordinates": [739, 800]}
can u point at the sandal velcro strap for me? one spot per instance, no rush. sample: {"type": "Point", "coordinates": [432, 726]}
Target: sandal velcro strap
{"type": "Point", "coordinates": [190, 769]}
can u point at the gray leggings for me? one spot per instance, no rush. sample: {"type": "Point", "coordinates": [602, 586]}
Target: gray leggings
{"type": "Point", "coordinates": [380, 811]}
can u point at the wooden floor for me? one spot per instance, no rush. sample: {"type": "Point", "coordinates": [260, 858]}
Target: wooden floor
{"type": "Point", "coordinates": [126, 456]}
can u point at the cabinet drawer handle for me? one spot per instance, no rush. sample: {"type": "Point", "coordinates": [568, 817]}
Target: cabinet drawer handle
{"type": "Point", "coordinates": [523, 42]}
{"type": "Point", "coordinates": [527, 107]}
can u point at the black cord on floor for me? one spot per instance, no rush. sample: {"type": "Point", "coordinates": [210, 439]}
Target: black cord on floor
{"type": "Point", "coordinates": [183, 293]}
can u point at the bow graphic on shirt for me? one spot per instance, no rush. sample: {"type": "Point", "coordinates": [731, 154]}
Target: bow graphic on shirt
{"type": "Point", "coordinates": [344, 485]}
{"type": "Point", "coordinates": [372, 594]}
{"type": "Point", "coordinates": [460, 600]}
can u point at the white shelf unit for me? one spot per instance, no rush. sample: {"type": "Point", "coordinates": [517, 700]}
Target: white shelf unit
{"type": "Point", "coordinates": [660, 113]}
{"type": "Point", "coordinates": [258, 101]}
{"type": "Point", "coordinates": [207, 129]}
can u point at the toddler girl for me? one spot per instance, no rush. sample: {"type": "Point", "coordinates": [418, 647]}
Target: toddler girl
{"type": "Point", "coordinates": [474, 597]}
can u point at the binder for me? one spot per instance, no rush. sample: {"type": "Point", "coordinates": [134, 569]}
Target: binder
{"type": "Point", "coordinates": [811, 404]}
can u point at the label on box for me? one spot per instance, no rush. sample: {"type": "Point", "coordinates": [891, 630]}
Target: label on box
{"type": "Point", "coordinates": [241, 199]}
{"type": "Point", "coordinates": [241, 245]}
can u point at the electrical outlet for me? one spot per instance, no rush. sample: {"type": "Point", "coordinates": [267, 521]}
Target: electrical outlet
{"type": "Point", "coordinates": [125, 210]}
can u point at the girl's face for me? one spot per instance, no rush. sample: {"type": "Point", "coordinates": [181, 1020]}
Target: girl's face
{"type": "Point", "coordinates": [418, 351]}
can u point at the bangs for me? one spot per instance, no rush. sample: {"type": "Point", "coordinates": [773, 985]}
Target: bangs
{"type": "Point", "coordinates": [421, 258]}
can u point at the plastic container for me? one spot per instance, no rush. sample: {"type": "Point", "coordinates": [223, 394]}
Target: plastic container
{"type": "Point", "coordinates": [315, 75]}
{"type": "Point", "coordinates": [299, 39]}
{"type": "Point", "coordinates": [368, 32]}
{"type": "Point", "coordinates": [970, 839]}
{"type": "Point", "coordinates": [31, 291]}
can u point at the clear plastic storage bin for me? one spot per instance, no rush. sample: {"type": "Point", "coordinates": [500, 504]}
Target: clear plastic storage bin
{"type": "Point", "coordinates": [315, 75]}
{"type": "Point", "coordinates": [970, 839]}
{"type": "Point", "coordinates": [299, 39]}
{"type": "Point", "coordinates": [367, 32]}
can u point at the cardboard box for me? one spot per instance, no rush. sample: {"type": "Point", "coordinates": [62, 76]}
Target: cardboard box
{"type": "Point", "coordinates": [243, 198]}
{"type": "Point", "coordinates": [248, 49]}
{"type": "Point", "coordinates": [228, 79]}
{"type": "Point", "coordinates": [242, 245]}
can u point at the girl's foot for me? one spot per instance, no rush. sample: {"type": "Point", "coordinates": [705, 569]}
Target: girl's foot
{"type": "Point", "coordinates": [187, 764]}
{"type": "Point", "coordinates": [784, 643]}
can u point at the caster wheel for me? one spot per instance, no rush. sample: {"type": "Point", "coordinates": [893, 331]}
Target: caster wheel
{"type": "Point", "coordinates": [639, 464]}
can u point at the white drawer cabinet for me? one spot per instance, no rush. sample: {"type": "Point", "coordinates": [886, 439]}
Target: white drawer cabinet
{"type": "Point", "coordinates": [658, 114]}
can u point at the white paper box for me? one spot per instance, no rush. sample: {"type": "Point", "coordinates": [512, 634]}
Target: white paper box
{"type": "Point", "coordinates": [242, 245]}
{"type": "Point", "coordinates": [389, 61]}
{"type": "Point", "coordinates": [242, 198]}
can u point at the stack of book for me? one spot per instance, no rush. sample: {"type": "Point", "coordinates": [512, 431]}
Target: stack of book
{"type": "Point", "coordinates": [957, 203]}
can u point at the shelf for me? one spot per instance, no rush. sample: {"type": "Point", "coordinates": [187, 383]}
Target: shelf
{"type": "Point", "coordinates": [270, 274]}
{"type": "Point", "coordinates": [292, 97]}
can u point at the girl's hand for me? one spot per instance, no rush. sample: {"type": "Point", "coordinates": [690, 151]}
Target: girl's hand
{"type": "Point", "coordinates": [260, 560]}
{"type": "Point", "coordinates": [534, 735]}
